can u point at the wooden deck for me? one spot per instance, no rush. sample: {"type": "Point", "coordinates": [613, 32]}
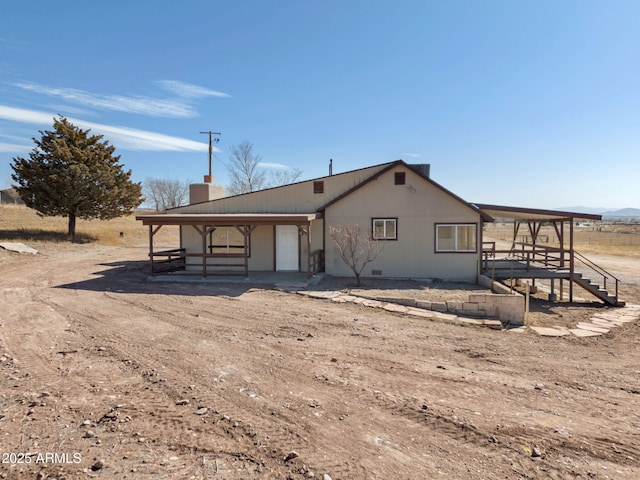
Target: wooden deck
{"type": "Point", "coordinates": [537, 262]}
{"type": "Point", "coordinates": [506, 268]}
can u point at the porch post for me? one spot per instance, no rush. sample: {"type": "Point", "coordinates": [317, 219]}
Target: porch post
{"type": "Point", "coordinates": [571, 261]}
{"type": "Point", "coordinates": [151, 247]}
{"type": "Point", "coordinates": [308, 250]}
{"type": "Point", "coordinates": [245, 233]}
{"type": "Point", "coordinates": [563, 258]}
{"type": "Point", "coordinates": [203, 233]}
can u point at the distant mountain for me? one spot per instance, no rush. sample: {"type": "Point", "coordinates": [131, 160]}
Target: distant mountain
{"type": "Point", "coordinates": [589, 210]}
{"type": "Point", "coordinates": [607, 214]}
{"type": "Point", "coordinates": [623, 212]}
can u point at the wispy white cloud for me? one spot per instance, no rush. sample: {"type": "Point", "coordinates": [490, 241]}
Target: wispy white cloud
{"type": "Point", "coordinates": [275, 166]}
{"type": "Point", "coordinates": [176, 107]}
{"type": "Point", "coordinates": [184, 89]}
{"type": "Point", "coordinates": [14, 148]}
{"type": "Point", "coordinates": [412, 155]}
{"type": "Point", "coordinates": [122, 137]}
{"type": "Point", "coordinates": [137, 104]}
{"type": "Point", "coordinates": [25, 116]}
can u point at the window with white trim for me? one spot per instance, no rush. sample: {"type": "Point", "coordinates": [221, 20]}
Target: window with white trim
{"type": "Point", "coordinates": [384, 228]}
{"type": "Point", "coordinates": [454, 237]}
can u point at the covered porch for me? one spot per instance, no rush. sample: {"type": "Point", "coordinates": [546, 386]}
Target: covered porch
{"type": "Point", "coordinates": [231, 244]}
{"type": "Point", "coordinates": [534, 257]}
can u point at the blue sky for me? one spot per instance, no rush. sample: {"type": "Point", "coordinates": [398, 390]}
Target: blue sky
{"type": "Point", "coordinates": [533, 104]}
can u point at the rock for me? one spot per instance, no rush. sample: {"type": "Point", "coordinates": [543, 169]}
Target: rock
{"type": "Point", "coordinates": [539, 386]}
{"type": "Point", "coordinates": [18, 247]}
{"type": "Point", "coordinates": [291, 455]}
{"type": "Point", "coordinates": [86, 422]}
{"type": "Point", "coordinates": [99, 465]}
{"type": "Point", "coordinates": [536, 452]}
{"type": "Point", "coordinates": [89, 434]}
{"type": "Point", "coordinates": [184, 401]}
{"type": "Point", "coordinates": [326, 476]}
{"type": "Point", "coordinates": [201, 411]}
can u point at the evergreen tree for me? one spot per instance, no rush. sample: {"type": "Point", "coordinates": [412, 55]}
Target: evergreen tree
{"type": "Point", "coordinates": [73, 174]}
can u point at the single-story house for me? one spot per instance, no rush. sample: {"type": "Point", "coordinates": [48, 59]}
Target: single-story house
{"type": "Point", "coordinates": [426, 230]}
{"type": "Point", "coordinates": [10, 196]}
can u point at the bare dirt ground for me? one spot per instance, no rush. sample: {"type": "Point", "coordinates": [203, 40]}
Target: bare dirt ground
{"type": "Point", "coordinates": [106, 375]}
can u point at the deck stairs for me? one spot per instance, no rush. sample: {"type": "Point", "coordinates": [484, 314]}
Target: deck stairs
{"type": "Point", "coordinates": [597, 290]}
{"type": "Point", "coordinates": [601, 291]}
{"type": "Point", "coordinates": [536, 261]}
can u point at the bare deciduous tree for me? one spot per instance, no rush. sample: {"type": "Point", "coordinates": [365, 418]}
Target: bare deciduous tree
{"type": "Point", "coordinates": [244, 172]}
{"type": "Point", "coordinates": [284, 176]}
{"type": "Point", "coordinates": [247, 174]}
{"type": "Point", "coordinates": [165, 193]}
{"type": "Point", "coordinates": [355, 248]}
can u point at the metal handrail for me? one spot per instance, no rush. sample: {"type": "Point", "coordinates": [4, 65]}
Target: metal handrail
{"type": "Point", "coordinates": [599, 270]}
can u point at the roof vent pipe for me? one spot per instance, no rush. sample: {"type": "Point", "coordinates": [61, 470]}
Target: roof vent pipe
{"type": "Point", "coordinates": [330, 166]}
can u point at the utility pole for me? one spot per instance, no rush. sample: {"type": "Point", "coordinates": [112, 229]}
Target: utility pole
{"type": "Point", "coordinates": [209, 179]}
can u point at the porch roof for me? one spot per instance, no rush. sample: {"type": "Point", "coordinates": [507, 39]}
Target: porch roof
{"type": "Point", "coordinates": [228, 218]}
{"type": "Point", "coordinates": [533, 214]}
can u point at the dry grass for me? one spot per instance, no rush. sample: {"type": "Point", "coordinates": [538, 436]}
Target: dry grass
{"type": "Point", "coordinates": [19, 223]}
{"type": "Point", "coordinates": [602, 238]}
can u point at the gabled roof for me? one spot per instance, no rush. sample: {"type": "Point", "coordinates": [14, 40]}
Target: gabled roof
{"type": "Point", "coordinates": [373, 168]}
{"type": "Point", "coordinates": [402, 163]}
{"type": "Point", "coordinates": [347, 183]}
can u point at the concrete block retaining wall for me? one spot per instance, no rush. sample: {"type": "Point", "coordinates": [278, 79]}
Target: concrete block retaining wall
{"type": "Point", "coordinates": [508, 308]}
{"type": "Point", "coordinates": [505, 305]}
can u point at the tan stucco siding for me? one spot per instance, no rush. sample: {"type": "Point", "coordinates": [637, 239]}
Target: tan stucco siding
{"type": "Point", "coordinates": [262, 244]}
{"type": "Point", "coordinates": [418, 206]}
{"type": "Point", "coordinates": [295, 198]}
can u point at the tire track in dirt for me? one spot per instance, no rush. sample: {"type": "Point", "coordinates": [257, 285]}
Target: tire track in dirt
{"type": "Point", "coordinates": [281, 440]}
{"type": "Point", "coordinates": [230, 406]}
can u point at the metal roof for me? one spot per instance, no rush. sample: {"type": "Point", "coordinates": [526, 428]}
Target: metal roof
{"type": "Point", "coordinates": [533, 214]}
{"type": "Point", "coordinates": [228, 218]}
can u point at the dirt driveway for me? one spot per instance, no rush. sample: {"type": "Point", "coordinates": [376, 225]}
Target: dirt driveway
{"type": "Point", "coordinates": [105, 375]}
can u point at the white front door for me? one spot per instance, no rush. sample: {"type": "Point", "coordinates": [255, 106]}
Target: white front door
{"type": "Point", "coordinates": [287, 248]}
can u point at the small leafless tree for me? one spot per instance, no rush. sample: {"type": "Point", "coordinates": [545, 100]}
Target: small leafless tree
{"type": "Point", "coordinates": [165, 193]}
{"type": "Point", "coordinates": [356, 248]}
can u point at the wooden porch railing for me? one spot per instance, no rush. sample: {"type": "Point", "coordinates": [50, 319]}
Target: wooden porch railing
{"type": "Point", "coordinates": [531, 256]}
{"type": "Point", "coordinates": [173, 260]}
{"type": "Point", "coordinates": [316, 261]}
